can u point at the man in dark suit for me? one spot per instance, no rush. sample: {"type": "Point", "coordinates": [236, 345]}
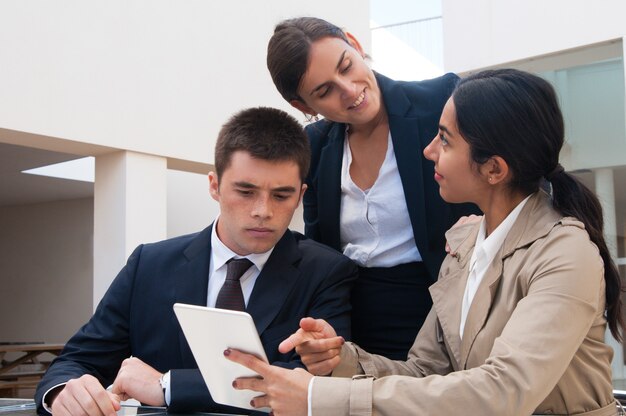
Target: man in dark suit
{"type": "Point", "coordinates": [134, 341]}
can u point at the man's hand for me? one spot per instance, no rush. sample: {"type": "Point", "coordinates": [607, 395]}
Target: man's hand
{"type": "Point", "coordinates": [284, 391]}
{"type": "Point", "coordinates": [139, 381]}
{"type": "Point", "coordinates": [83, 396]}
{"type": "Point", "coordinates": [317, 344]}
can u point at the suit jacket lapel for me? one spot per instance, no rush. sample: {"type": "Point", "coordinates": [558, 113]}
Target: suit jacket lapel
{"type": "Point", "coordinates": [193, 282]}
{"type": "Point", "coordinates": [278, 277]}
{"type": "Point", "coordinates": [407, 145]}
{"type": "Point", "coordinates": [329, 199]}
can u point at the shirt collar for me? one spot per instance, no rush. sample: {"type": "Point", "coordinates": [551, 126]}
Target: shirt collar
{"type": "Point", "coordinates": [486, 249]}
{"type": "Point", "coordinates": [220, 254]}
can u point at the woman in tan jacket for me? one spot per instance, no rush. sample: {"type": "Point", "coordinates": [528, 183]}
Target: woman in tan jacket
{"type": "Point", "coordinates": [522, 302]}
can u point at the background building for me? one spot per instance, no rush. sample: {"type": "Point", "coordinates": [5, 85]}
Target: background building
{"type": "Point", "coordinates": [143, 87]}
{"type": "Point", "coordinates": [579, 47]}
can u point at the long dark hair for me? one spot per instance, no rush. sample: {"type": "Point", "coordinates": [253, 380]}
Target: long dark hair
{"type": "Point", "coordinates": [523, 108]}
{"type": "Point", "coordinates": [288, 51]}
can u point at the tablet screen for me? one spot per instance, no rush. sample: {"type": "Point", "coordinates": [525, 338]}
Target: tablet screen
{"type": "Point", "coordinates": [210, 331]}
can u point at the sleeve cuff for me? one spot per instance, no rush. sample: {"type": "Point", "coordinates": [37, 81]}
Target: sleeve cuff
{"type": "Point", "coordinates": [309, 398]}
{"type": "Point", "coordinates": [165, 385]}
{"type": "Point", "coordinates": [44, 402]}
{"type": "Point", "coordinates": [341, 396]}
{"type": "Point", "coordinates": [349, 364]}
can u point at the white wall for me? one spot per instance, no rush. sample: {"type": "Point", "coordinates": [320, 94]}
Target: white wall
{"type": "Point", "coordinates": [484, 33]}
{"type": "Point", "coordinates": [45, 270]}
{"type": "Point", "coordinates": [156, 77]}
{"type": "Point", "coordinates": [152, 76]}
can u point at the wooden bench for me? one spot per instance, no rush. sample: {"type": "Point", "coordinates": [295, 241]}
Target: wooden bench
{"type": "Point", "coordinates": [20, 374]}
{"type": "Point", "coordinates": [19, 388]}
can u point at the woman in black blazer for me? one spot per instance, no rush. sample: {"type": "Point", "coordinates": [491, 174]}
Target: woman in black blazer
{"type": "Point", "coordinates": [371, 194]}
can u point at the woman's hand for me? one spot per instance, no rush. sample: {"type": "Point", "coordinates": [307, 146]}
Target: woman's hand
{"type": "Point", "coordinates": [317, 344]}
{"type": "Point", "coordinates": [284, 391]}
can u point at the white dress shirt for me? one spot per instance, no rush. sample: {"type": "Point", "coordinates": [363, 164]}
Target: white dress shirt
{"type": "Point", "coordinates": [220, 254]}
{"type": "Point", "coordinates": [485, 251]}
{"type": "Point", "coordinates": [375, 227]}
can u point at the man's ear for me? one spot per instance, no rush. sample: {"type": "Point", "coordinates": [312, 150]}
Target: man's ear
{"type": "Point", "coordinates": [301, 106]}
{"type": "Point", "coordinates": [353, 41]}
{"type": "Point", "coordinates": [495, 170]}
{"type": "Point", "coordinates": [214, 186]}
{"type": "Point", "coordinates": [302, 190]}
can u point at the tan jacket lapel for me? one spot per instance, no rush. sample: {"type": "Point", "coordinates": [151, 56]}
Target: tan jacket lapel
{"type": "Point", "coordinates": [481, 305]}
{"type": "Point", "coordinates": [451, 285]}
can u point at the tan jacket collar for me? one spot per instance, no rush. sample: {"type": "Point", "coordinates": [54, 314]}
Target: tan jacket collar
{"type": "Point", "coordinates": [535, 221]}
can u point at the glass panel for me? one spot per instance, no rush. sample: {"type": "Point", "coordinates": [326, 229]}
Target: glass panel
{"type": "Point", "coordinates": [592, 102]}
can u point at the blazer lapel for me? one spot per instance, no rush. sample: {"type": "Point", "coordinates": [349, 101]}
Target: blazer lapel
{"type": "Point", "coordinates": [277, 279]}
{"type": "Point", "coordinates": [329, 199]}
{"type": "Point", "coordinates": [409, 160]}
{"type": "Point", "coordinates": [194, 280]}
{"type": "Point", "coordinates": [407, 145]}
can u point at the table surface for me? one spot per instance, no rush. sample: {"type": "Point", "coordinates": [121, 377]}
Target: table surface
{"type": "Point", "coordinates": [22, 407]}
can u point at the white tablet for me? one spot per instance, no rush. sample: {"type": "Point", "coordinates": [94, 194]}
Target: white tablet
{"type": "Point", "coordinates": [210, 331]}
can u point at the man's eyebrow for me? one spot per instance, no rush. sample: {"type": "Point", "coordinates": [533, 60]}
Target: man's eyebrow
{"type": "Point", "coordinates": [289, 189]}
{"type": "Point", "coordinates": [341, 58]}
{"type": "Point", "coordinates": [248, 185]}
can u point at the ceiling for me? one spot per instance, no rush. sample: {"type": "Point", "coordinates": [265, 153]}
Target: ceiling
{"type": "Point", "coordinates": [17, 188]}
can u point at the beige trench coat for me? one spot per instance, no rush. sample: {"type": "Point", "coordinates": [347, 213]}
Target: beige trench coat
{"type": "Point", "coordinates": [533, 338]}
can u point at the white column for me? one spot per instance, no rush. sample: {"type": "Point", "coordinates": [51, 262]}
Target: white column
{"type": "Point", "coordinates": [605, 190]}
{"type": "Point", "coordinates": [130, 208]}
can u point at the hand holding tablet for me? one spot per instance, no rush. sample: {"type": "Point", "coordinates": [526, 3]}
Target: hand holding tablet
{"type": "Point", "coordinates": [210, 331]}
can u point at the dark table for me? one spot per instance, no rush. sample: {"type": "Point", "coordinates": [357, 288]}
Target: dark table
{"type": "Point", "coordinates": [22, 407]}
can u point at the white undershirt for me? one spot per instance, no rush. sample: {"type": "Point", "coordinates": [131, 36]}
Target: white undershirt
{"type": "Point", "coordinates": [485, 251]}
{"type": "Point", "coordinates": [375, 227]}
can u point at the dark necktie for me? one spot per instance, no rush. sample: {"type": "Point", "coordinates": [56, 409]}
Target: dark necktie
{"type": "Point", "coordinates": [231, 296]}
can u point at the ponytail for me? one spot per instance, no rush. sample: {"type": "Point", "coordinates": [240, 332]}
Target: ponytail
{"type": "Point", "coordinates": [516, 115]}
{"type": "Point", "coordinates": [573, 199]}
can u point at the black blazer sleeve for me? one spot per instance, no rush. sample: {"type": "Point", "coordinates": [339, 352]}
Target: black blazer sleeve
{"type": "Point", "coordinates": [99, 347]}
{"type": "Point", "coordinates": [135, 316]}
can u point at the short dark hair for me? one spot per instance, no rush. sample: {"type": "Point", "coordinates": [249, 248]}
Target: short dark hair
{"type": "Point", "coordinates": [266, 134]}
{"type": "Point", "coordinates": [289, 48]}
{"type": "Point", "coordinates": [516, 115]}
